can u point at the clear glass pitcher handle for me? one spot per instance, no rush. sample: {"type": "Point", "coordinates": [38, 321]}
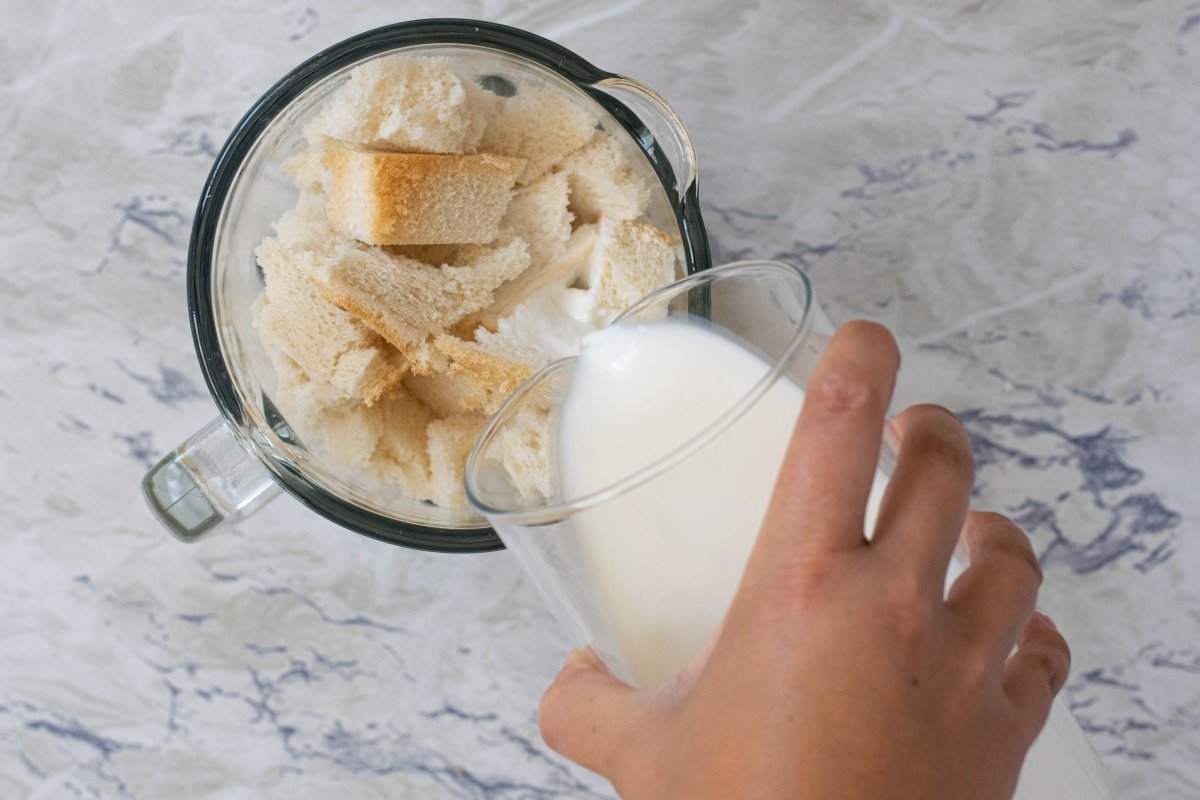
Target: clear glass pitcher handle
{"type": "Point", "coordinates": [662, 123]}
{"type": "Point", "coordinates": [208, 481]}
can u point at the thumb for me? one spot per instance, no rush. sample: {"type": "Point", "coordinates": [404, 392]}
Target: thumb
{"type": "Point", "coordinates": [588, 715]}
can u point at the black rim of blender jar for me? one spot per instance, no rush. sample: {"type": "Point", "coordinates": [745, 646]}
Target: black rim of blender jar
{"type": "Point", "coordinates": [241, 140]}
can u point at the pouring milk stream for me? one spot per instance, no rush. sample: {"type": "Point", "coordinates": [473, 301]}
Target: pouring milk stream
{"type": "Point", "coordinates": [665, 557]}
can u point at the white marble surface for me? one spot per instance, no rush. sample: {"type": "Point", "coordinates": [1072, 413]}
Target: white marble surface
{"type": "Point", "coordinates": [1013, 187]}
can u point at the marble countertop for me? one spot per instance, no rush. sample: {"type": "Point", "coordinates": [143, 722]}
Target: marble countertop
{"type": "Point", "coordinates": [1014, 188]}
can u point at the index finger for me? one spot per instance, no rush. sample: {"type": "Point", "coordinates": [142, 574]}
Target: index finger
{"type": "Point", "coordinates": [820, 498]}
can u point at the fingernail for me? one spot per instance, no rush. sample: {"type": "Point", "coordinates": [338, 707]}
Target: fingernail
{"type": "Point", "coordinates": [583, 657]}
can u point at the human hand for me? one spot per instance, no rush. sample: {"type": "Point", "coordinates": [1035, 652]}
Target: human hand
{"type": "Point", "coordinates": [843, 669]}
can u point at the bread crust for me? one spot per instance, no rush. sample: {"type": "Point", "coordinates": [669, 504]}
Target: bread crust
{"type": "Point", "coordinates": [385, 198]}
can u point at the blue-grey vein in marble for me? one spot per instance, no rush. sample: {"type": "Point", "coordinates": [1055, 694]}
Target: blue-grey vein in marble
{"type": "Point", "coordinates": [1014, 188]}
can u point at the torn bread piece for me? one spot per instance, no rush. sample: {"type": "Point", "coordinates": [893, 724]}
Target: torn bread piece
{"type": "Point", "coordinates": [401, 455]}
{"type": "Point", "coordinates": [436, 255]}
{"type": "Point", "coordinates": [347, 429]}
{"type": "Point", "coordinates": [538, 214]}
{"type": "Point", "coordinates": [386, 441]}
{"type": "Point", "coordinates": [545, 327]}
{"type": "Point", "coordinates": [540, 125]}
{"type": "Point", "coordinates": [630, 260]}
{"type": "Point", "coordinates": [402, 102]}
{"type": "Point", "coordinates": [407, 301]}
{"type": "Point", "coordinates": [445, 394]}
{"type": "Point", "coordinates": [306, 225]}
{"type": "Point", "coordinates": [449, 442]}
{"type": "Point", "coordinates": [525, 444]}
{"type": "Point", "coordinates": [308, 171]}
{"type": "Point", "coordinates": [329, 344]}
{"type": "Point", "coordinates": [572, 262]}
{"type": "Point", "coordinates": [604, 183]}
{"type": "Point", "coordinates": [498, 375]}
{"type": "Point", "coordinates": [297, 396]}
{"type": "Point", "coordinates": [417, 198]}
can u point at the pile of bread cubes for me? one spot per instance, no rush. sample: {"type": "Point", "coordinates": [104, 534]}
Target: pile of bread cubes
{"type": "Point", "coordinates": [447, 242]}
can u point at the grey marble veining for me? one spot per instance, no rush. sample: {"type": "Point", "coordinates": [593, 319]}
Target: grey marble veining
{"type": "Point", "coordinates": [1014, 188]}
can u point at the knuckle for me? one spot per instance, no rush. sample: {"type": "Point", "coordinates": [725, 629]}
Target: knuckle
{"type": "Point", "coordinates": [978, 670]}
{"type": "Point", "coordinates": [1010, 543]}
{"type": "Point", "coordinates": [907, 612]}
{"type": "Point", "coordinates": [847, 392]}
{"type": "Point", "coordinates": [1052, 663]}
{"type": "Point", "coordinates": [795, 587]}
{"type": "Point", "coordinates": [1052, 633]}
{"type": "Point", "coordinates": [1055, 644]}
{"type": "Point", "coordinates": [1018, 550]}
{"type": "Point", "coordinates": [938, 437]}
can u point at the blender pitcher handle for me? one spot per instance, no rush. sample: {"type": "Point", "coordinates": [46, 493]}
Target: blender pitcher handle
{"type": "Point", "coordinates": [208, 481]}
{"type": "Point", "coordinates": [662, 123]}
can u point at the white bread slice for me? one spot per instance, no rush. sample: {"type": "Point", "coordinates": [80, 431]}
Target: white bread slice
{"type": "Point", "coordinates": [418, 198]}
{"type": "Point", "coordinates": [402, 299]}
{"type": "Point", "coordinates": [398, 441]}
{"type": "Point", "coordinates": [349, 432]}
{"type": "Point", "coordinates": [329, 344]}
{"type": "Point", "coordinates": [604, 182]}
{"type": "Point", "coordinates": [408, 301]}
{"type": "Point", "coordinates": [307, 170]}
{"type": "Point", "coordinates": [561, 271]}
{"type": "Point", "coordinates": [524, 444]}
{"type": "Point", "coordinates": [630, 260]}
{"type": "Point", "coordinates": [541, 125]}
{"type": "Point", "coordinates": [410, 103]}
{"type": "Point", "coordinates": [496, 374]}
{"type": "Point", "coordinates": [305, 225]}
{"type": "Point", "coordinates": [538, 214]}
{"type": "Point", "coordinates": [386, 441]}
{"type": "Point", "coordinates": [436, 255]}
{"type": "Point", "coordinates": [401, 453]}
{"type": "Point", "coordinates": [446, 395]}
{"type": "Point", "coordinates": [299, 398]}
{"type": "Point", "coordinates": [450, 442]}
{"type": "Point", "coordinates": [542, 328]}
{"type": "Point", "coordinates": [322, 418]}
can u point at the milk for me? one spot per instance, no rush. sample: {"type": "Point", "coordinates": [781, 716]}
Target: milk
{"type": "Point", "coordinates": [664, 557]}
